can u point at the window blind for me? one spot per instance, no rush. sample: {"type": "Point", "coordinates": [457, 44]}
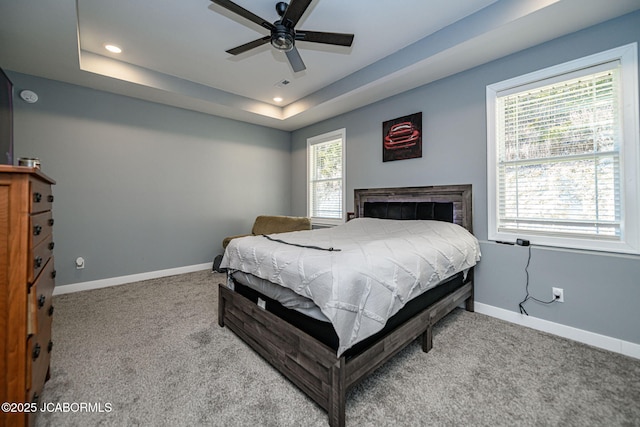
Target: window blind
{"type": "Point", "coordinates": [559, 156]}
{"type": "Point", "coordinates": [325, 179]}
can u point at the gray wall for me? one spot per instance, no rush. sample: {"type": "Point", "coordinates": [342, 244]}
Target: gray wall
{"type": "Point", "coordinates": [601, 291]}
{"type": "Point", "coordinates": [144, 187]}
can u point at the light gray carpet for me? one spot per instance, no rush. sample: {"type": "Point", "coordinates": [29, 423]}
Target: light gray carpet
{"type": "Point", "coordinates": [154, 352]}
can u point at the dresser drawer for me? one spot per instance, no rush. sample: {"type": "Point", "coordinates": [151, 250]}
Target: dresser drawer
{"type": "Point", "coordinates": [39, 257]}
{"type": "Point", "coordinates": [39, 344]}
{"type": "Point", "coordinates": [41, 300]}
{"type": "Point", "coordinates": [39, 349]}
{"type": "Point", "coordinates": [40, 226]}
{"type": "Point", "coordinates": [41, 196]}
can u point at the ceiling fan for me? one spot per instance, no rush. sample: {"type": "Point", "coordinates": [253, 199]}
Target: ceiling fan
{"type": "Point", "coordinates": [283, 33]}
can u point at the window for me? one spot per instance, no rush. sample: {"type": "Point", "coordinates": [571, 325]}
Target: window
{"type": "Point", "coordinates": [325, 166]}
{"type": "Point", "coordinates": [563, 155]}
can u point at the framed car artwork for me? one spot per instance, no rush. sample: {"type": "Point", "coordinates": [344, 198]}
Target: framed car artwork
{"type": "Point", "coordinates": [402, 138]}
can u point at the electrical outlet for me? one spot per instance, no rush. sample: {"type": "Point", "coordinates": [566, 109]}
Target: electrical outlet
{"type": "Point", "coordinates": [558, 294]}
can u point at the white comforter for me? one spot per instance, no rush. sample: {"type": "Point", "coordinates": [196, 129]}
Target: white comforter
{"type": "Point", "coordinates": [380, 266]}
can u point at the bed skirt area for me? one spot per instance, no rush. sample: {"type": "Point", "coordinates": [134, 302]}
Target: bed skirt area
{"type": "Point", "coordinates": [314, 366]}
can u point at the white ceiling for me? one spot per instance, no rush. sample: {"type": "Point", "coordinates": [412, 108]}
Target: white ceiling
{"type": "Point", "coordinates": [174, 50]}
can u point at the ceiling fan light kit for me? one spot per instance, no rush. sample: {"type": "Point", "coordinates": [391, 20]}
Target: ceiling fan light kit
{"type": "Point", "coordinates": [283, 38]}
{"type": "Point", "coordinates": [283, 33]}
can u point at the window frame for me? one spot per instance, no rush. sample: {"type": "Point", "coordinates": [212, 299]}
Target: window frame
{"type": "Point", "coordinates": [629, 241]}
{"type": "Point", "coordinates": [319, 139]}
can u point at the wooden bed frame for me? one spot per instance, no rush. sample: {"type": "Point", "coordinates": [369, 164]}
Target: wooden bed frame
{"type": "Point", "coordinates": [313, 366]}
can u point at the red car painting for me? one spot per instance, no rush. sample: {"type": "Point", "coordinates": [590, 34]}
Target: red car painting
{"type": "Point", "coordinates": [401, 135]}
{"type": "Point", "coordinates": [402, 138]}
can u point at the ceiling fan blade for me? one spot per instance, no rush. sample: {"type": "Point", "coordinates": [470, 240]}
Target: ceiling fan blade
{"type": "Point", "coordinates": [238, 10]}
{"type": "Point", "coordinates": [295, 60]}
{"type": "Point", "coordinates": [295, 11]}
{"type": "Point", "coordinates": [340, 39]}
{"type": "Point", "coordinates": [248, 46]}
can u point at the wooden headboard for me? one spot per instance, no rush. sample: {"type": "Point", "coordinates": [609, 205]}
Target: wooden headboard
{"type": "Point", "coordinates": [457, 195]}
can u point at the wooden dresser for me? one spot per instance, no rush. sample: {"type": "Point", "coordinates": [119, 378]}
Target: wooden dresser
{"type": "Point", "coordinates": [26, 287]}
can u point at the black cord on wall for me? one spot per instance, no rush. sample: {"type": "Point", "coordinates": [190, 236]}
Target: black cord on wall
{"type": "Point", "coordinates": [526, 270]}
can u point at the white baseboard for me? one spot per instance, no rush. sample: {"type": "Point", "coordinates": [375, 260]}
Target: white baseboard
{"type": "Point", "coordinates": [114, 281]}
{"type": "Point", "coordinates": [596, 340]}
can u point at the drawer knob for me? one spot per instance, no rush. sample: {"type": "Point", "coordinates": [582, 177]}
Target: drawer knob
{"type": "Point", "coordinates": [51, 246]}
{"type": "Point", "coordinates": [51, 221]}
{"type": "Point", "coordinates": [37, 263]}
{"type": "Point", "coordinates": [37, 197]}
{"type": "Point", "coordinates": [37, 229]}
{"type": "Point", "coordinates": [53, 274]}
{"type": "Point", "coordinates": [50, 346]}
{"type": "Point", "coordinates": [51, 311]}
{"type": "Point", "coordinates": [41, 300]}
{"type": "Point", "coordinates": [50, 198]}
{"type": "Point", "coordinates": [36, 352]}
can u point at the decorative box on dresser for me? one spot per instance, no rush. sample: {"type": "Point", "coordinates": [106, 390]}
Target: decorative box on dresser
{"type": "Point", "coordinates": [26, 288]}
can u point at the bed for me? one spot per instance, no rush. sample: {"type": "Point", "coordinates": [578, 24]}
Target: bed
{"type": "Point", "coordinates": [325, 357]}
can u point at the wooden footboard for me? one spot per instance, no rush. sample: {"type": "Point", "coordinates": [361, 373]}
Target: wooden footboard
{"type": "Point", "coordinates": [313, 366]}
{"type": "Point", "coordinates": [302, 359]}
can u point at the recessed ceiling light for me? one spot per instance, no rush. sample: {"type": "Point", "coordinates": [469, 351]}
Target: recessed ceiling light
{"type": "Point", "coordinates": [277, 99]}
{"type": "Point", "coordinates": [112, 48]}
